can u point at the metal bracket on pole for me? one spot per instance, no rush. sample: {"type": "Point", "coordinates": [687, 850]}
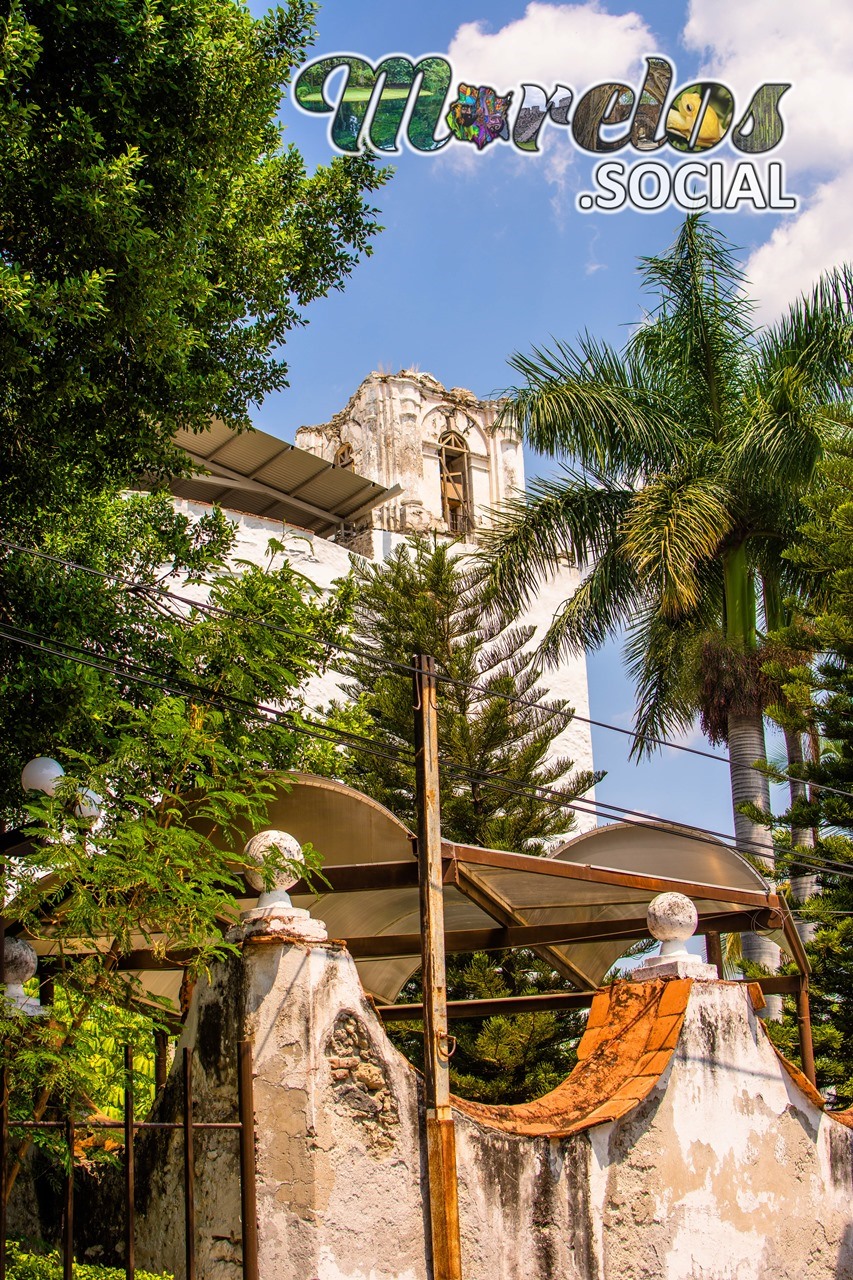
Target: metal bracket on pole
{"type": "Point", "coordinates": [440, 1130]}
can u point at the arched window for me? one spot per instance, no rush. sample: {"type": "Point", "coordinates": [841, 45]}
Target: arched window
{"type": "Point", "coordinates": [455, 482]}
{"type": "Point", "coordinates": [344, 458]}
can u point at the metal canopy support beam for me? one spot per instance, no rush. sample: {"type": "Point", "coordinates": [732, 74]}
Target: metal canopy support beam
{"type": "Point", "coordinates": [784, 984]}
{"type": "Point", "coordinates": [384, 945]}
{"type": "Point", "coordinates": [501, 861]}
{"type": "Point", "coordinates": [493, 905]}
{"type": "Point", "coordinates": [440, 1131]}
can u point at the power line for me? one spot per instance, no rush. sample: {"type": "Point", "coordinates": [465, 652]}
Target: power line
{"type": "Point", "coordinates": [685, 830]}
{"type": "Point", "coordinates": [342, 737]}
{"type": "Point", "coordinates": [339, 736]}
{"type": "Point", "coordinates": [390, 664]}
{"type": "Point", "coordinates": [361, 653]}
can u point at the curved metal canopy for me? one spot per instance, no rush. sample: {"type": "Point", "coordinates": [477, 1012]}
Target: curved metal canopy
{"type": "Point", "coordinates": [579, 909]}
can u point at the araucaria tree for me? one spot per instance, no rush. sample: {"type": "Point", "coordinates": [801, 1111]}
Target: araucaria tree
{"type": "Point", "coordinates": [157, 240]}
{"type": "Point", "coordinates": [495, 752]}
{"type": "Point", "coordinates": [819, 698]}
{"type": "Point", "coordinates": [494, 748]}
{"type": "Point", "coordinates": [687, 455]}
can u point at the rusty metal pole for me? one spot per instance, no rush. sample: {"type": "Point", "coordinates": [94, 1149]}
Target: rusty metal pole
{"type": "Point", "coordinates": [248, 1201]}
{"type": "Point", "coordinates": [189, 1167]}
{"type": "Point", "coordinates": [440, 1130]}
{"type": "Point", "coordinates": [161, 1059]}
{"type": "Point", "coordinates": [68, 1217]}
{"type": "Point", "coordinates": [804, 1026]}
{"type": "Point", "coordinates": [129, 1172]}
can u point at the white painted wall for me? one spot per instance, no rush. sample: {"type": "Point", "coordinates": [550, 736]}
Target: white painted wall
{"type": "Point", "coordinates": [325, 562]}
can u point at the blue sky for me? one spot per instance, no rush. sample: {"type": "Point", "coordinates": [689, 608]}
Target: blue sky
{"type": "Point", "coordinates": [483, 255]}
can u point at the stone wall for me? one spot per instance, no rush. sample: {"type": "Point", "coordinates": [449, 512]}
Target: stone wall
{"type": "Point", "coordinates": [394, 422]}
{"type": "Point", "coordinates": [718, 1163]}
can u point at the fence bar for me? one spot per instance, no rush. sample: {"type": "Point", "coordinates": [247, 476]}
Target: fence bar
{"type": "Point", "coordinates": [4, 1083]}
{"type": "Point", "coordinates": [804, 1026]}
{"type": "Point", "coordinates": [129, 1175]}
{"type": "Point", "coordinates": [189, 1166]}
{"type": "Point", "coordinates": [68, 1216]}
{"type": "Point", "coordinates": [161, 1058]}
{"type": "Point", "coordinates": [248, 1204]}
{"type": "Point", "coordinates": [440, 1130]}
{"type": "Point", "coordinates": [4, 1156]}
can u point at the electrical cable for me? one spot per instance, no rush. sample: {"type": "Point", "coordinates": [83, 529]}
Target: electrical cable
{"type": "Point", "coordinates": [684, 829]}
{"type": "Point", "coordinates": [342, 737]}
{"type": "Point", "coordinates": [387, 663]}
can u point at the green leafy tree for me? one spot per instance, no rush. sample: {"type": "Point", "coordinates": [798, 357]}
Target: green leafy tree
{"type": "Point", "coordinates": [157, 240]}
{"type": "Point", "coordinates": [157, 707]}
{"type": "Point", "coordinates": [819, 692]}
{"type": "Point", "coordinates": [688, 454]}
{"type": "Point", "coordinates": [493, 750]}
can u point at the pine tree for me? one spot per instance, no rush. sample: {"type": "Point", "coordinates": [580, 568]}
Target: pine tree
{"type": "Point", "coordinates": [821, 692]}
{"type": "Point", "coordinates": [493, 745]}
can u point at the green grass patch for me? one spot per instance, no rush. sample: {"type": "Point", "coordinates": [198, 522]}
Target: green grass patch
{"type": "Point", "coordinates": [21, 1265]}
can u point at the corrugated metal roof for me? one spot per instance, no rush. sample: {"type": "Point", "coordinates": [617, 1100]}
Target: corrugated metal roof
{"type": "Point", "coordinates": [260, 475]}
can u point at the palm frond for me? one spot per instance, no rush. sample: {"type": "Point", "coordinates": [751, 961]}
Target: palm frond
{"type": "Point", "coordinates": [656, 652]}
{"type": "Point", "coordinates": [607, 599]}
{"type": "Point", "coordinates": [555, 522]}
{"type": "Point", "coordinates": [672, 526]}
{"type": "Point", "coordinates": [591, 405]}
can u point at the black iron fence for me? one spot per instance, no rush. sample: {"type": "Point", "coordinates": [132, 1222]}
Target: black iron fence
{"type": "Point", "coordinates": [243, 1128]}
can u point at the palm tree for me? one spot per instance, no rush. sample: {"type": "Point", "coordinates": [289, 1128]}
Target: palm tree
{"type": "Point", "coordinates": [685, 456]}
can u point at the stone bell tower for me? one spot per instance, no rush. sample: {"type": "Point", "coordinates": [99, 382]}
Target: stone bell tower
{"type": "Point", "coordinates": [438, 447]}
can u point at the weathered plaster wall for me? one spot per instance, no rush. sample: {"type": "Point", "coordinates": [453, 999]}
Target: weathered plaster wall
{"type": "Point", "coordinates": [727, 1170]}
{"type": "Point", "coordinates": [394, 423]}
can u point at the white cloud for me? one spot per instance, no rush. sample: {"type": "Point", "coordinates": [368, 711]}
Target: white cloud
{"type": "Point", "coordinates": [573, 44]}
{"type": "Point", "coordinates": [802, 247]}
{"type": "Point", "coordinates": [811, 46]}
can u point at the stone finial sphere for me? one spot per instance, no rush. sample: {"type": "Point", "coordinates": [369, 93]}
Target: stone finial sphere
{"type": "Point", "coordinates": [672, 917]}
{"type": "Point", "coordinates": [260, 845]}
{"type": "Point", "coordinates": [21, 961]}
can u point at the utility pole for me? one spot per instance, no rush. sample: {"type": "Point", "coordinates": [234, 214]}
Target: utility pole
{"type": "Point", "coordinates": [440, 1131]}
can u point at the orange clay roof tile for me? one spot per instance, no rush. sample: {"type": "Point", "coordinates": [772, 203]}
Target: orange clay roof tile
{"type": "Point", "coordinates": [632, 1031]}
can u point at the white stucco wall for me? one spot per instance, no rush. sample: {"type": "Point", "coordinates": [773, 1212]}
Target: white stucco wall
{"type": "Point", "coordinates": [727, 1170]}
{"type": "Point", "coordinates": [325, 562]}
{"type": "Point", "coordinates": [394, 423]}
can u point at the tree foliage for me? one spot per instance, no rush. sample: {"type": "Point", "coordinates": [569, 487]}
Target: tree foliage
{"type": "Point", "coordinates": [157, 240]}
{"type": "Point", "coordinates": [493, 750]}
{"type": "Point", "coordinates": [161, 707]}
{"type": "Point", "coordinates": [819, 700]}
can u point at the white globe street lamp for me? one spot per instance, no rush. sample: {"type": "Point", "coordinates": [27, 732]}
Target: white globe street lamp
{"type": "Point", "coordinates": [42, 774]}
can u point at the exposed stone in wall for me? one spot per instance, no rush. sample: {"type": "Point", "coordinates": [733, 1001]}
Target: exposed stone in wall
{"type": "Point", "coordinates": [360, 1085]}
